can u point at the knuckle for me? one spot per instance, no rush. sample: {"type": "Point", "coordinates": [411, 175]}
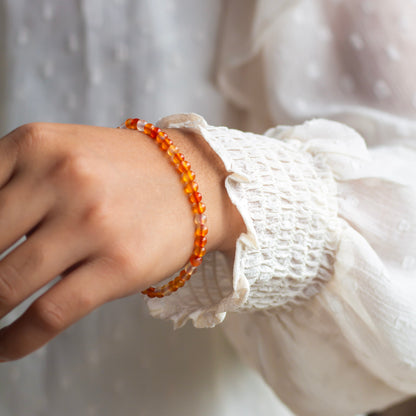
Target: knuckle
{"type": "Point", "coordinates": [97, 217]}
{"type": "Point", "coordinates": [30, 134]}
{"type": "Point", "coordinates": [48, 315]}
{"type": "Point", "coordinates": [74, 169]}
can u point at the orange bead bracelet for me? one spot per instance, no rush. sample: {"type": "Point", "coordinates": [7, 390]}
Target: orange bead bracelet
{"type": "Point", "coordinates": [187, 177]}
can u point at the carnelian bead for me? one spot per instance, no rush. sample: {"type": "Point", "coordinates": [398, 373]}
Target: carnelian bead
{"type": "Point", "coordinates": [149, 291]}
{"type": "Point", "coordinates": [148, 127]}
{"type": "Point", "coordinates": [189, 269]}
{"type": "Point", "coordinates": [195, 260]}
{"type": "Point", "coordinates": [200, 241]}
{"type": "Point", "coordinates": [201, 230]}
{"type": "Point", "coordinates": [181, 283]}
{"type": "Point", "coordinates": [161, 137]}
{"type": "Point", "coordinates": [165, 289]}
{"type": "Point", "coordinates": [171, 151]}
{"type": "Point", "coordinates": [198, 208]}
{"type": "Point", "coordinates": [131, 123]}
{"type": "Point", "coordinates": [178, 158]}
{"type": "Point", "coordinates": [195, 197]}
{"type": "Point", "coordinates": [200, 251]}
{"type": "Point", "coordinates": [154, 132]}
{"type": "Point", "coordinates": [183, 166]}
{"type": "Point", "coordinates": [187, 176]}
{"type": "Point", "coordinates": [166, 144]}
{"type": "Point", "coordinates": [191, 187]}
{"type": "Point", "coordinates": [200, 219]}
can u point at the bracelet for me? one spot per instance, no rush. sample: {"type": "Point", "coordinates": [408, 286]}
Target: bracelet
{"type": "Point", "coordinates": [195, 198]}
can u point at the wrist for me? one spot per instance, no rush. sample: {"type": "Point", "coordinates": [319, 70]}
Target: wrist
{"type": "Point", "coordinates": [224, 221]}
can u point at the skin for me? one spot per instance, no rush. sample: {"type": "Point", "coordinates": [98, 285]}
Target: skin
{"type": "Point", "coordinates": [105, 209]}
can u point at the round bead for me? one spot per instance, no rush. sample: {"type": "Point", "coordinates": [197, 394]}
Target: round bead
{"type": "Point", "coordinates": [183, 166]}
{"type": "Point", "coordinates": [195, 197]}
{"type": "Point", "coordinates": [198, 208]}
{"type": "Point", "coordinates": [149, 292]}
{"type": "Point", "coordinates": [200, 219]}
{"type": "Point", "coordinates": [178, 158]}
{"type": "Point", "coordinates": [166, 144]}
{"type": "Point", "coordinates": [200, 251]}
{"type": "Point", "coordinates": [131, 123]}
{"type": "Point", "coordinates": [154, 132]}
{"type": "Point", "coordinates": [161, 137]}
{"type": "Point", "coordinates": [189, 269]}
{"type": "Point", "coordinates": [165, 289]}
{"type": "Point", "coordinates": [148, 127]}
{"type": "Point", "coordinates": [140, 125]}
{"type": "Point", "coordinates": [191, 187]}
{"type": "Point", "coordinates": [195, 260]}
{"type": "Point", "coordinates": [201, 230]}
{"type": "Point", "coordinates": [200, 241]}
{"type": "Point", "coordinates": [171, 151]}
{"type": "Point", "coordinates": [187, 176]}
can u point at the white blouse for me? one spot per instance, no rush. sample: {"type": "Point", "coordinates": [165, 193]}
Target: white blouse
{"type": "Point", "coordinates": [319, 299]}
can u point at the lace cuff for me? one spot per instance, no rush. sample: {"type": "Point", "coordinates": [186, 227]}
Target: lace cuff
{"type": "Point", "coordinates": [285, 192]}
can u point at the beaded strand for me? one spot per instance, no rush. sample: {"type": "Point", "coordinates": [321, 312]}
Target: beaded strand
{"type": "Point", "coordinates": [195, 198]}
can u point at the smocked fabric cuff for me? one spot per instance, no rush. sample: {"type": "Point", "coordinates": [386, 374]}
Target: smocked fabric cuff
{"type": "Point", "coordinates": [286, 196]}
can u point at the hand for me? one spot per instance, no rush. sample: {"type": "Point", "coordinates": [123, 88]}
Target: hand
{"type": "Point", "coordinates": [103, 208]}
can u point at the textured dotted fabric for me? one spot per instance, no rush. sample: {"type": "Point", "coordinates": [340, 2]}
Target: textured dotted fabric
{"type": "Point", "coordinates": [319, 300]}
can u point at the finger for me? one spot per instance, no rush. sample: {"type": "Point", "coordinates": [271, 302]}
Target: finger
{"type": "Point", "coordinates": [65, 303]}
{"type": "Point", "coordinates": [51, 249]}
{"type": "Point", "coordinates": [23, 204]}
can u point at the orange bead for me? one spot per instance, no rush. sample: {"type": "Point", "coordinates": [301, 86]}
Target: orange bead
{"type": "Point", "coordinates": [181, 283]}
{"type": "Point", "coordinates": [155, 131]}
{"type": "Point", "coordinates": [200, 241]}
{"type": "Point", "coordinates": [148, 127]}
{"type": "Point", "coordinates": [178, 158]}
{"type": "Point", "coordinates": [191, 187]}
{"type": "Point", "coordinates": [198, 208]}
{"type": "Point", "coordinates": [165, 290]}
{"type": "Point", "coordinates": [187, 176]}
{"type": "Point", "coordinates": [201, 230]}
{"type": "Point", "coordinates": [195, 197]}
{"type": "Point", "coordinates": [161, 136]}
{"type": "Point", "coordinates": [183, 166]}
{"type": "Point", "coordinates": [200, 251]}
{"type": "Point", "coordinates": [172, 151]}
{"type": "Point", "coordinates": [166, 144]}
{"type": "Point", "coordinates": [150, 290]}
{"type": "Point", "coordinates": [131, 123]}
{"type": "Point", "coordinates": [195, 260]}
